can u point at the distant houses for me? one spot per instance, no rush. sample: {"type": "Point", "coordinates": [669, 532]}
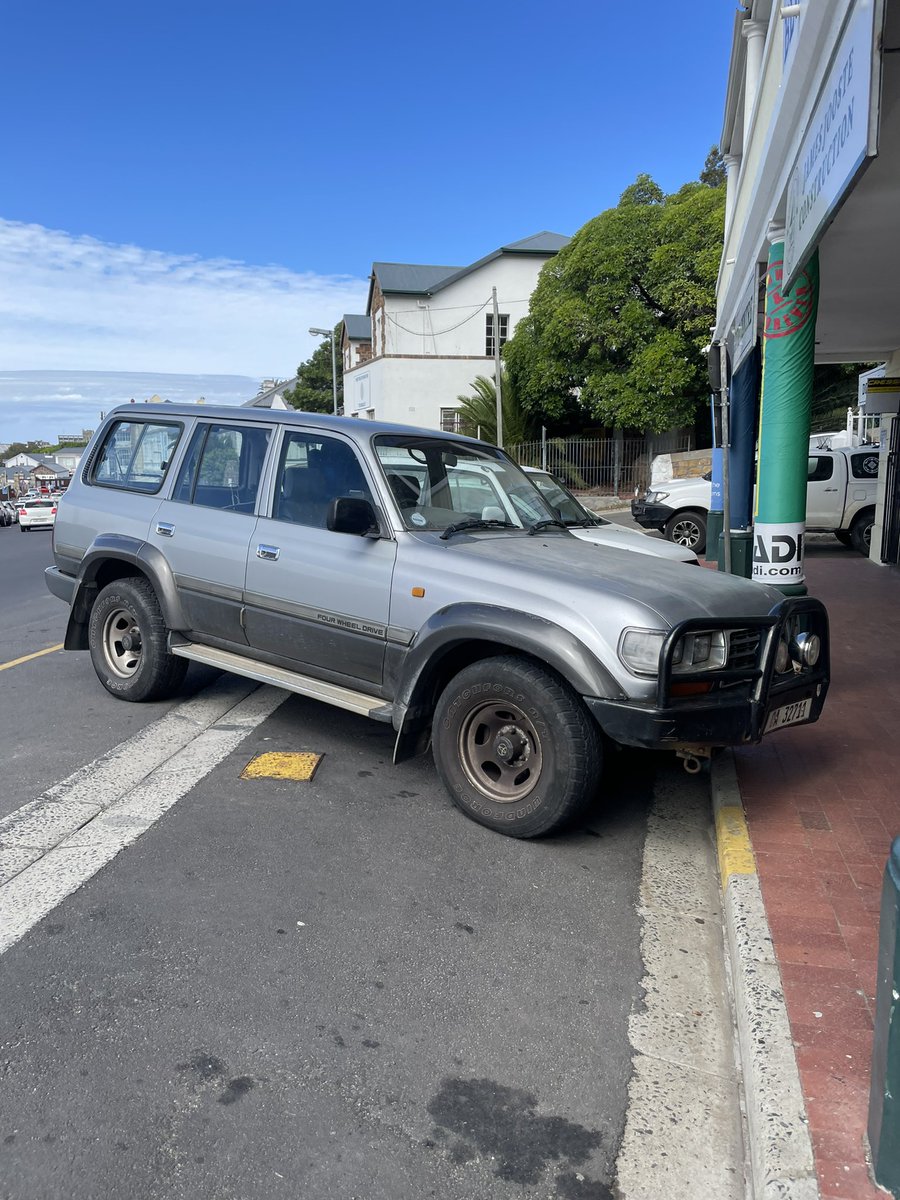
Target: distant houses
{"type": "Point", "coordinates": [428, 331]}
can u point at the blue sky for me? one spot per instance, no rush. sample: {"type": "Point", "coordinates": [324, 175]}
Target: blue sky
{"type": "Point", "coordinates": [187, 186]}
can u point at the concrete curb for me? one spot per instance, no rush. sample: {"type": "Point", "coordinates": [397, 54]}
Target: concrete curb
{"type": "Point", "coordinates": [780, 1150]}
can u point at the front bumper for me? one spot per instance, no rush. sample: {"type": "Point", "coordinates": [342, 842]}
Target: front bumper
{"type": "Point", "coordinates": [650, 516]}
{"type": "Point", "coordinates": [737, 711]}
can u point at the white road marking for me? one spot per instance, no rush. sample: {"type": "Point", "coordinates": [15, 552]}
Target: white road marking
{"type": "Point", "coordinates": [53, 845]}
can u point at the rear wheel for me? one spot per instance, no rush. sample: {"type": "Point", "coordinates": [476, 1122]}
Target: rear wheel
{"type": "Point", "coordinates": [688, 529]}
{"type": "Point", "coordinates": [128, 640]}
{"type": "Point", "coordinates": [861, 531]}
{"type": "Point", "coordinates": [25, 528]}
{"type": "Point", "coordinates": [515, 747]}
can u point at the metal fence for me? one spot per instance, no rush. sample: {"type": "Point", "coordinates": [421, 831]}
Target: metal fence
{"type": "Point", "coordinates": [611, 466]}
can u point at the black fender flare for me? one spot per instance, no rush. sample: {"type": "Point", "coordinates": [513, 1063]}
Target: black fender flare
{"type": "Point", "coordinates": [118, 547]}
{"type": "Point", "coordinates": [510, 630]}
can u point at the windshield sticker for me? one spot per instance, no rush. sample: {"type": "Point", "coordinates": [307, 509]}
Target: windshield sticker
{"type": "Point", "coordinates": [418, 519]}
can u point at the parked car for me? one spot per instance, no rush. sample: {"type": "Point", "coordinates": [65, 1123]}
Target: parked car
{"type": "Point", "coordinates": [6, 513]}
{"type": "Point", "coordinates": [593, 528]}
{"type": "Point", "coordinates": [840, 499]}
{"type": "Point", "coordinates": [36, 514]}
{"type": "Point", "coordinates": [367, 565]}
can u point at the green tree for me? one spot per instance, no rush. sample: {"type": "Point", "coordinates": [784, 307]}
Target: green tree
{"type": "Point", "coordinates": [713, 173]}
{"type": "Point", "coordinates": [479, 411]}
{"type": "Point", "coordinates": [313, 392]}
{"type": "Point", "coordinates": [620, 316]}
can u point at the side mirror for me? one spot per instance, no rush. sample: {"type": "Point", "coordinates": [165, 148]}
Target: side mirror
{"type": "Point", "coordinates": [350, 514]}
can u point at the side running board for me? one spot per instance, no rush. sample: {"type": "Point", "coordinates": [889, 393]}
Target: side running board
{"type": "Point", "coordinates": [292, 681]}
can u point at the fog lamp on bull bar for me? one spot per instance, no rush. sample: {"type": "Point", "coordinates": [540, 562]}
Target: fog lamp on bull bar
{"type": "Point", "coordinates": [806, 649]}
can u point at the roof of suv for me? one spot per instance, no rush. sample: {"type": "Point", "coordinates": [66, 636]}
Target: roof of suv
{"type": "Point", "coordinates": [357, 428]}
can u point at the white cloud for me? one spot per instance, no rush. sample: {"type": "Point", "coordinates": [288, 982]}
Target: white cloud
{"type": "Point", "coordinates": [41, 405]}
{"type": "Point", "coordinates": [75, 303]}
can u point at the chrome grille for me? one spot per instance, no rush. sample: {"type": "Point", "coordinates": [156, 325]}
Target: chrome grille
{"type": "Point", "coordinates": [743, 648]}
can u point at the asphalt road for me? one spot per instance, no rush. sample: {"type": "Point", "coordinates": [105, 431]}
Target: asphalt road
{"type": "Point", "coordinates": [54, 716]}
{"type": "Point", "coordinates": [341, 988]}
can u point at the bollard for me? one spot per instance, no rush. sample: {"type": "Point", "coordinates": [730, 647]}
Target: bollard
{"type": "Point", "coordinates": [741, 552]}
{"type": "Point", "coordinates": [713, 533]}
{"type": "Point", "coordinates": [884, 1097]}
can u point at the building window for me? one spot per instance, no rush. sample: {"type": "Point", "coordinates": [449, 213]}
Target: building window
{"type": "Point", "coordinates": [489, 332]}
{"type": "Point", "coordinates": [450, 420]}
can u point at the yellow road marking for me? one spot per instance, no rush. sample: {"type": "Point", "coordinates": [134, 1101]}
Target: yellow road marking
{"type": "Point", "coordinates": [15, 662]}
{"type": "Point", "coordinates": [733, 841]}
{"type": "Point", "coordinates": [299, 766]}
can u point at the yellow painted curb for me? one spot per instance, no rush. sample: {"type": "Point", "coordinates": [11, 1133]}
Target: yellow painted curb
{"type": "Point", "coordinates": [300, 766]}
{"type": "Point", "coordinates": [733, 842]}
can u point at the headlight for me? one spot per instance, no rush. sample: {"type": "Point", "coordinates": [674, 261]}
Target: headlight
{"type": "Point", "coordinates": [705, 651]}
{"type": "Point", "coordinates": [699, 652]}
{"type": "Point", "coordinates": [639, 650]}
{"type": "Point", "coordinates": [656, 497]}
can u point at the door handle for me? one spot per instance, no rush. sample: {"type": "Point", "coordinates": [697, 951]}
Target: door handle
{"type": "Point", "coordinates": [272, 553]}
{"type": "Point", "coordinates": [165, 529]}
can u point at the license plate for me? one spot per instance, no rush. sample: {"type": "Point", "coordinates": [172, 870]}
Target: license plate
{"type": "Point", "coordinates": [788, 714]}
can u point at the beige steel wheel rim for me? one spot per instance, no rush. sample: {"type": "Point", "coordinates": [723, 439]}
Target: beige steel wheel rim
{"type": "Point", "coordinates": [121, 642]}
{"type": "Point", "coordinates": [500, 751]}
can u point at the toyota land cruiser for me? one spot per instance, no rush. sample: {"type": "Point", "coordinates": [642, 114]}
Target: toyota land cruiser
{"type": "Point", "coordinates": [350, 561]}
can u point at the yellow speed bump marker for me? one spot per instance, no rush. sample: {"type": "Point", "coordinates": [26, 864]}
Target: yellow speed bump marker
{"type": "Point", "coordinates": [300, 766]}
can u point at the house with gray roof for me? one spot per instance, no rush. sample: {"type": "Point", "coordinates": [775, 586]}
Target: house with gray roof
{"type": "Point", "coordinates": [38, 469]}
{"type": "Point", "coordinates": [428, 331]}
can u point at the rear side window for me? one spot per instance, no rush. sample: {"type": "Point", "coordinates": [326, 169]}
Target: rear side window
{"type": "Point", "coordinates": [864, 466]}
{"type": "Point", "coordinates": [135, 455]}
{"type": "Point", "coordinates": [223, 467]}
{"type": "Point", "coordinates": [820, 467]}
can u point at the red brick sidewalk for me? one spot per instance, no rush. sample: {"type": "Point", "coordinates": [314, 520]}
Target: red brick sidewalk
{"type": "Point", "coordinates": [823, 803]}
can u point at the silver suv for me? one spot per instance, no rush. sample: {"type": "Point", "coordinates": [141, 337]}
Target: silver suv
{"type": "Point", "coordinates": [420, 579]}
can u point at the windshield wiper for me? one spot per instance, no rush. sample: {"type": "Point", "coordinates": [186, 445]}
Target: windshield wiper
{"type": "Point", "coordinates": [545, 524]}
{"type": "Point", "coordinates": [475, 523]}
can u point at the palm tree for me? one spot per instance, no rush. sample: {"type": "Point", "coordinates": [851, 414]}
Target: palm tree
{"type": "Point", "coordinates": [480, 412]}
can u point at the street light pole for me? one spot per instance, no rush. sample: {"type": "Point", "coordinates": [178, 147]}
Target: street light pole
{"type": "Point", "coordinates": [329, 333]}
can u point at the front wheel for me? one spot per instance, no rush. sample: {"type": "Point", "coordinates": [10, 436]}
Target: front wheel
{"type": "Point", "coordinates": [515, 747]}
{"type": "Point", "coordinates": [688, 529]}
{"type": "Point", "coordinates": [127, 636]}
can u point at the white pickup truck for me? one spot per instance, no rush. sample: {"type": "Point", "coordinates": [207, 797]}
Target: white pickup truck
{"type": "Point", "coordinates": [840, 499]}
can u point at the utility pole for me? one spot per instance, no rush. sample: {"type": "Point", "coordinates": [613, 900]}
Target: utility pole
{"type": "Point", "coordinates": [497, 384]}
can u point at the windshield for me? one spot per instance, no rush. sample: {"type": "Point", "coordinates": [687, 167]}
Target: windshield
{"type": "Point", "coordinates": [562, 501]}
{"type": "Point", "coordinates": [438, 483]}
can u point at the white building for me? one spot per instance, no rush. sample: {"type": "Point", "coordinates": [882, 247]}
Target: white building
{"type": "Point", "coordinates": [811, 139]}
{"type": "Point", "coordinates": [428, 332]}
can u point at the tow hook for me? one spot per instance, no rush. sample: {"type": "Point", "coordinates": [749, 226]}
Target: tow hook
{"type": "Point", "coordinates": [693, 757]}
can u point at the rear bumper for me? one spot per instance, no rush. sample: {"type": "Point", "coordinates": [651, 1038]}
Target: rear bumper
{"type": "Point", "coordinates": [62, 586]}
{"type": "Point", "coordinates": [736, 713]}
{"type": "Point", "coordinates": [650, 516]}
